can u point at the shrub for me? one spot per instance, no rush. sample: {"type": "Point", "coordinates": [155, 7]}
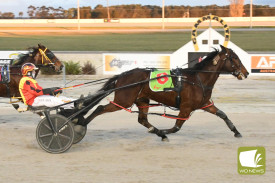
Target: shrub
{"type": "Point", "coordinates": [72, 68]}
{"type": "Point", "coordinates": [88, 68]}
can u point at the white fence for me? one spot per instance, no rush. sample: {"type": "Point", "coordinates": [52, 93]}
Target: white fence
{"type": "Point", "coordinates": [267, 21]}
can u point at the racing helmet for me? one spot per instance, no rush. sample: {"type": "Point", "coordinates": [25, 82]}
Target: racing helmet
{"type": "Point", "coordinates": [27, 69]}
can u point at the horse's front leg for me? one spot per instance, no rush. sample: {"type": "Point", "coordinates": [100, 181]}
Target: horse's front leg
{"type": "Point", "coordinates": [143, 108]}
{"type": "Point", "coordinates": [214, 110]}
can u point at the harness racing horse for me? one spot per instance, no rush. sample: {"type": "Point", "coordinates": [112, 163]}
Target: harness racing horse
{"type": "Point", "coordinates": [39, 56]}
{"type": "Point", "coordinates": [198, 83]}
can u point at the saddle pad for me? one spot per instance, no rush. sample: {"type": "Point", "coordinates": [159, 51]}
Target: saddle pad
{"type": "Point", "coordinates": [158, 85]}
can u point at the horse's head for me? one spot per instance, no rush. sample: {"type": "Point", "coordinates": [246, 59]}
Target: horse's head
{"type": "Point", "coordinates": [45, 57]}
{"type": "Point", "coordinates": [232, 63]}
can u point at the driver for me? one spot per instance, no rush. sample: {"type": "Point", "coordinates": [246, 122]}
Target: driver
{"type": "Point", "coordinates": [34, 95]}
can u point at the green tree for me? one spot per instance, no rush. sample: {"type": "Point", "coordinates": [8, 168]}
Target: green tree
{"type": "Point", "coordinates": [20, 14]}
{"type": "Point", "coordinates": [86, 12]}
{"type": "Point", "coordinates": [7, 15]}
{"type": "Point", "coordinates": [42, 12]}
{"type": "Point", "coordinates": [31, 11]}
{"type": "Point", "coordinates": [70, 13]}
{"type": "Point", "coordinates": [99, 12]}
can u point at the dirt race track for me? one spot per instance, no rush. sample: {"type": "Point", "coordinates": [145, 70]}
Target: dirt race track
{"type": "Point", "coordinates": [118, 149]}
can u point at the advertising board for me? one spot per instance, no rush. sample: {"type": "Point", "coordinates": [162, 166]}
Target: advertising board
{"type": "Point", "coordinates": [118, 63]}
{"type": "Point", "coordinates": [263, 64]}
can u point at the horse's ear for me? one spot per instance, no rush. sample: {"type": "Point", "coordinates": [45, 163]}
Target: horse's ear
{"type": "Point", "coordinates": [39, 45]}
{"type": "Point", "coordinates": [223, 49]}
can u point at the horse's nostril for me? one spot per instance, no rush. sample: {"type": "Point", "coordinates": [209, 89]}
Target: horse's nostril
{"type": "Point", "coordinates": [61, 67]}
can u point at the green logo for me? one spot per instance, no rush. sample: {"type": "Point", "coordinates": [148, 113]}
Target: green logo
{"type": "Point", "coordinates": [251, 160]}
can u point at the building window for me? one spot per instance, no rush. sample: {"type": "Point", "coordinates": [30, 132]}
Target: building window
{"type": "Point", "coordinates": [216, 41]}
{"type": "Point", "coordinates": [204, 41]}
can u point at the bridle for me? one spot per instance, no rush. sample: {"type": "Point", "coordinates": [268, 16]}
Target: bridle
{"type": "Point", "coordinates": [44, 55]}
{"type": "Point", "coordinates": [229, 57]}
{"type": "Point", "coordinates": [46, 59]}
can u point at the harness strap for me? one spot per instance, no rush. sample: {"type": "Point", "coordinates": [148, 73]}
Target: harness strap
{"type": "Point", "coordinates": [163, 115]}
{"type": "Point", "coordinates": [173, 117]}
{"type": "Point", "coordinates": [152, 105]}
{"type": "Point", "coordinates": [1, 72]}
{"type": "Point", "coordinates": [128, 110]}
{"type": "Point", "coordinates": [202, 86]}
{"type": "Point", "coordinates": [212, 103]}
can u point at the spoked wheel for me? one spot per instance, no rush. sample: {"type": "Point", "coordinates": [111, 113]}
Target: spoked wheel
{"type": "Point", "coordinates": [51, 141]}
{"type": "Point", "coordinates": [79, 131]}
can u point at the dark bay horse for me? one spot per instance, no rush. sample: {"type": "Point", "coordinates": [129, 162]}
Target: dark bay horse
{"type": "Point", "coordinates": [39, 56]}
{"type": "Point", "coordinates": [198, 83]}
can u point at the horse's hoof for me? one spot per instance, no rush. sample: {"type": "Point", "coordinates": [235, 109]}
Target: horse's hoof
{"type": "Point", "coordinates": [165, 139]}
{"type": "Point", "coordinates": [238, 135]}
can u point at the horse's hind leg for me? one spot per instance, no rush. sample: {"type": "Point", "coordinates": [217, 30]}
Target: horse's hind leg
{"type": "Point", "coordinates": [214, 110]}
{"type": "Point", "coordinates": [123, 98]}
{"type": "Point", "coordinates": [143, 104]}
{"type": "Point", "coordinates": [98, 111]}
{"type": "Point", "coordinates": [182, 117]}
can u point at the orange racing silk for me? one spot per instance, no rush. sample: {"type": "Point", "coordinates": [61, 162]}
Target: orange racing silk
{"type": "Point", "coordinates": [29, 90]}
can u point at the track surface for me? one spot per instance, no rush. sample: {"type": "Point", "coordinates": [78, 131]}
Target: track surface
{"type": "Point", "coordinates": [118, 149]}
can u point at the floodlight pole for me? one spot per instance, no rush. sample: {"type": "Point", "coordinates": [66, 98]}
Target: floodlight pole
{"type": "Point", "coordinates": [108, 11]}
{"type": "Point", "coordinates": [163, 14]}
{"type": "Point", "coordinates": [64, 77]}
{"type": "Point", "coordinates": [210, 32]}
{"type": "Point", "coordinates": [78, 15]}
{"type": "Point", "coordinates": [251, 13]}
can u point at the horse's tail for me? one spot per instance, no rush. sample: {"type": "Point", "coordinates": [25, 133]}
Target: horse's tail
{"type": "Point", "coordinates": [110, 84]}
{"type": "Point", "coordinates": [102, 93]}
{"type": "Point", "coordinates": [109, 87]}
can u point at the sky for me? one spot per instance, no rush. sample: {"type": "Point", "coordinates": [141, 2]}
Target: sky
{"type": "Point", "coordinates": [17, 6]}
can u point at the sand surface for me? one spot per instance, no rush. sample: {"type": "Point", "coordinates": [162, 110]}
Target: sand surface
{"type": "Point", "coordinates": [118, 149]}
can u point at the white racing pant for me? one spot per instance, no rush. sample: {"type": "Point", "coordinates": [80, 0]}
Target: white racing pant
{"type": "Point", "coordinates": [51, 101]}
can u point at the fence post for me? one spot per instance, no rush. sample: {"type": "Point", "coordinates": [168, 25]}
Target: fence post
{"type": "Point", "coordinates": [251, 13]}
{"type": "Point", "coordinates": [64, 77]}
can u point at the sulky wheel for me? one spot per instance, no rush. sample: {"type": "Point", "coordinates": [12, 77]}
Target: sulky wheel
{"type": "Point", "coordinates": [79, 131]}
{"type": "Point", "coordinates": [52, 142]}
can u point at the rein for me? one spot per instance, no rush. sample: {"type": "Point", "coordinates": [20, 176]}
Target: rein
{"type": "Point", "coordinates": [82, 84]}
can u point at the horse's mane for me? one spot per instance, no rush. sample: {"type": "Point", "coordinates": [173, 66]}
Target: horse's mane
{"type": "Point", "coordinates": [23, 57]}
{"type": "Point", "coordinates": [203, 63]}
